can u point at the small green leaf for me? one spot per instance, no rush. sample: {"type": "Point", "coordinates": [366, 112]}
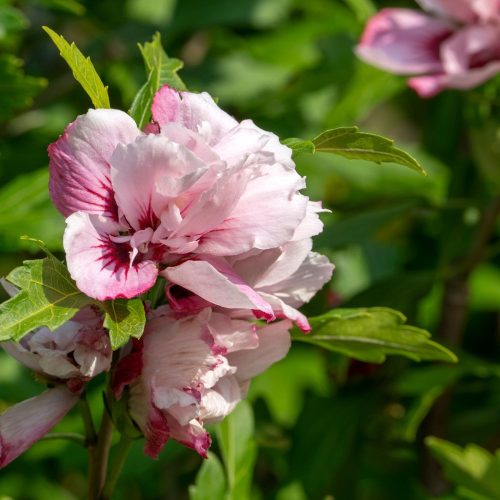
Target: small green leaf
{"type": "Point", "coordinates": [474, 470]}
{"type": "Point", "coordinates": [48, 297]}
{"type": "Point", "coordinates": [239, 450]}
{"type": "Point", "coordinates": [352, 144]}
{"type": "Point", "coordinates": [83, 70]}
{"type": "Point", "coordinates": [299, 146]}
{"type": "Point", "coordinates": [369, 334]}
{"type": "Point", "coordinates": [124, 319]}
{"type": "Point", "coordinates": [210, 481]}
{"type": "Point", "coordinates": [161, 70]}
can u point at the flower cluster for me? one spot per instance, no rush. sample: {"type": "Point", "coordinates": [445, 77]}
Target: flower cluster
{"type": "Point", "coordinates": [215, 208]}
{"type": "Point", "coordinates": [457, 46]}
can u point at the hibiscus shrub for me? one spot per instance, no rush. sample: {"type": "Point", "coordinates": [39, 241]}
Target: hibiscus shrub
{"type": "Point", "coordinates": [186, 270]}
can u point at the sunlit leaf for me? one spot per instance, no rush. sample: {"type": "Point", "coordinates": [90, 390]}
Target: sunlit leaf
{"type": "Point", "coordinates": [210, 481]}
{"type": "Point", "coordinates": [48, 297]}
{"type": "Point", "coordinates": [239, 450]}
{"type": "Point", "coordinates": [124, 319]}
{"type": "Point", "coordinates": [474, 470]}
{"type": "Point", "coordinates": [370, 334]}
{"type": "Point", "coordinates": [353, 144]}
{"type": "Point", "coordinates": [83, 70]}
{"type": "Point", "coordinates": [161, 70]}
{"type": "Point", "coordinates": [299, 146]}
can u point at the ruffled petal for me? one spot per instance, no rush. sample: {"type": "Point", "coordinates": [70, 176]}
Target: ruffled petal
{"type": "Point", "coordinates": [300, 287]}
{"type": "Point", "coordinates": [266, 215]}
{"type": "Point", "coordinates": [403, 41]}
{"type": "Point", "coordinates": [217, 284]}
{"type": "Point", "coordinates": [274, 343]}
{"type": "Point", "coordinates": [197, 112]}
{"type": "Point", "coordinates": [148, 174]}
{"type": "Point", "coordinates": [25, 423]}
{"type": "Point", "coordinates": [79, 161]}
{"type": "Point", "coordinates": [102, 268]}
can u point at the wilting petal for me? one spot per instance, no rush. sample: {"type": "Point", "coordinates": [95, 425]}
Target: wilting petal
{"type": "Point", "coordinates": [23, 355]}
{"type": "Point", "coordinates": [25, 423]}
{"type": "Point", "coordinates": [403, 41]}
{"type": "Point", "coordinates": [151, 420]}
{"type": "Point", "coordinates": [101, 267]}
{"type": "Point", "coordinates": [218, 285]}
{"type": "Point", "coordinates": [137, 169]}
{"type": "Point", "coordinates": [221, 400]}
{"type": "Point", "coordinates": [79, 161]}
{"type": "Point", "coordinates": [192, 435]}
{"type": "Point", "coordinates": [274, 343]}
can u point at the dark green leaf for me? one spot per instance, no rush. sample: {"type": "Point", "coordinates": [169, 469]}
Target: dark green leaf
{"type": "Point", "coordinates": [352, 144]}
{"type": "Point", "coordinates": [124, 319]}
{"type": "Point", "coordinates": [299, 146]}
{"type": "Point", "coordinates": [370, 334]}
{"type": "Point", "coordinates": [16, 89]}
{"type": "Point", "coordinates": [48, 297]}
{"type": "Point", "coordinates": [161, 70]}
{"type": "Point", "coordinates": [83, 70]}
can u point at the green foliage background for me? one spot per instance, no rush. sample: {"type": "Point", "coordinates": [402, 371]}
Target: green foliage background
{"type": "Point", "coordinates": [325, 426]}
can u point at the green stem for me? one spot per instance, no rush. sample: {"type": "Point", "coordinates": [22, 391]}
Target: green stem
{"type": "Point", "coordinates": [88, 421]}
{"type": "Point", "coordinates": [99, 457]}
{"type": "Point", "coordinates": [120, 456]}
{"type": "Point", "coordinates": [70, 436]}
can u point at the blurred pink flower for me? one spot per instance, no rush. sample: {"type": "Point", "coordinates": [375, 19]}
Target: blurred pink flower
{"type": "Point", "coordinates": [67, 358]}
{"type": "Point", "coordinates": [460, 48]}
{"type": "Point", "coordinates": [199, 184]}
{"type": "Point", "coordinates": [188, 372]}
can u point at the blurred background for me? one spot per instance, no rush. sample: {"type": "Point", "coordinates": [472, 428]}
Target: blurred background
{"type": "Point", "coordinates": [325, 426]}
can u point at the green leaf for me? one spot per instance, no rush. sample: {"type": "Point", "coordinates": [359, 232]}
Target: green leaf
{"type": "Point", "coordinates": [473, 469]}
{"type": "Point", "coordinates": [16, 89]}
{"type": "Point", "coordinates": [370, 334]}
{"type": "Point", "coordinates": [161, 70]}
{"type": "Point", "coordinates": [299, 146]}
{"type": "Point", "coordinates": [83, 70]}
{"type": "Point", "coordinates": [352, 144]}
{"type": "Point", "coordinates": [124, 319]}
{"type": "Point", "coordinates": [48, 297]}
{"type": "Point", "coordinates": [239, 450]}
{"type": "Point", "coordinates": [210, 481]}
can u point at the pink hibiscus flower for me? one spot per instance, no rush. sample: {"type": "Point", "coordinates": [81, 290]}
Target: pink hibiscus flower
{"type": "Point", "coordinates": [199, 185]}
{"type": "Point", "coordinates": [459, 48]}
{"type": "Point", "coordinates": [188, 372]}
